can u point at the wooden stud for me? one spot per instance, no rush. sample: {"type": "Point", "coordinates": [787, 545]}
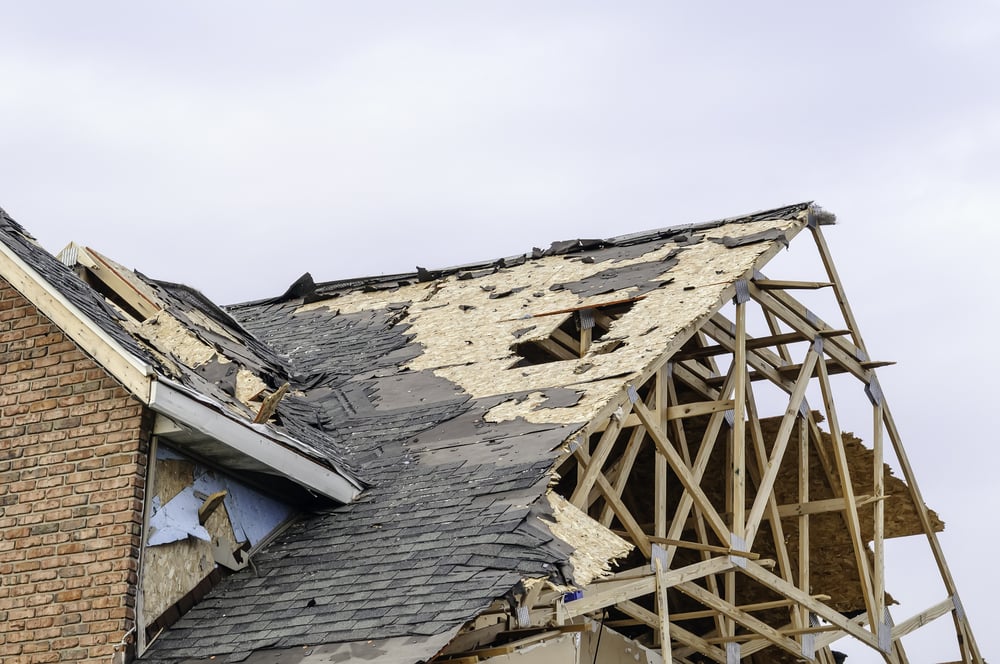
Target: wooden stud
{"type": "Point", "coordinates": [740, 617]}
{"type": "Point", "coordinates": [660, 470]}
{"type": "Point", "coordinates": [663, 610]}
{"type": "Point", "coordinates": [588, 471]}
{"type": "Point", "coordinates": [847, 488]}
{"type": "Point", "coordinates": [782, 587]}
{"type": "Point", "coordinates": [690, 481]}
{"type": "Point", "coordinates": [775, 284]}
{"type": "Point", "coordinates": [879, 621]}
{"type": "Point", "coordinates": [780, 443]}
{"type": "Point", "coordinates": [738, 437]}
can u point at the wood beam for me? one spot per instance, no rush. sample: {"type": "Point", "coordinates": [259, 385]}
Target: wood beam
{"type": "Point", "coordinates": [602, 594]}
{"type": "Point", "coordinates": [781, 442]}
{"type": "Point", "coordinates": [776, 284]}
{"type": "Point", "coordinates": [754, 343]}
{"type": "Point", "coordinates": [738, 452]}
{"type": "Point", "coordinates": [924, 617]}
{"type": "Point", "coordinates": [791, 510]}
{"type": "Point", "coordinates": [664, 612]}
{"type": "Point", "coordinates": [690, 481]}
{"type": "Point", "coordinates": [847, 489]}
{"type": "Point", "coordinates": [741, 617]}
{"type": "Point", "coordinates": [679, 634]}
{"type": "Point", "coordinates": [589, 470]}
{"type": "Point", "coordinates": [782, 587]}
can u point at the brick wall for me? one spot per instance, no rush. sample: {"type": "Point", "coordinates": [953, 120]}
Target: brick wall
{"type": "Point", "coordinates": [72, 474]}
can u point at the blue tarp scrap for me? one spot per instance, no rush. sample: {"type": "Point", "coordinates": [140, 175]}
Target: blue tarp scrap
{"type": "Point", "coordinates": [177, 520]}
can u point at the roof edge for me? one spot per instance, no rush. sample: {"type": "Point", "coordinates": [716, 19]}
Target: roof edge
{"type": "Point", "coordinates": [176, 403]}
{"type": "Point", "coordinates": [133, 373]}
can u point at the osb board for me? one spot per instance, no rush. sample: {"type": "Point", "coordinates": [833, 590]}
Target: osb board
{"type": "Point", "coordinates": [901, 517]}
{"type": "Point", "coordinates": [833, 567]}
{"type": "Point", "coordinates": [832, 560]}
{"type": "Point", "coordinates": [594, 546]}
{"type": "Point", "coordinates": [467, 336]}
{"type": "Point", "coordinates": [170, 571]}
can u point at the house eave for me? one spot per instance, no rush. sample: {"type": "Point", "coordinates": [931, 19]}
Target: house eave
{"type": "Point", "coordinates": [246, 445]}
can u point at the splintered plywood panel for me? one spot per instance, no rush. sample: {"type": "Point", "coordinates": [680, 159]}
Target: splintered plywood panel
{"type": "Point", "coordinates": [467, 328]}
{"type": "Point", "coordinates": [594, 546]}
{"type": "Point", "coordinates": [901, 518]}
{"type": "Point", "coordinates": [833, 565]}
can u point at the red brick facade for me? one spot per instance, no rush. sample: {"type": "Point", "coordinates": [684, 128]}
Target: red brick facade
{"type": "Point", "coordinates": [73, 448]}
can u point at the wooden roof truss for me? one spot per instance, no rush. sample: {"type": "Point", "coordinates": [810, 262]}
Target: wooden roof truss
{"type": "Point", "coordinates": [724, 567]}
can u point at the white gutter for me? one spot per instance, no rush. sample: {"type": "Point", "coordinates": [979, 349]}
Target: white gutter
{"type": "Point", "coordinates": [250, 439]}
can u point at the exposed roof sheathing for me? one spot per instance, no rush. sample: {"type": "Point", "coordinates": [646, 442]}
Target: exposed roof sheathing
{"type": "Point", "coordinates": [416, 385]}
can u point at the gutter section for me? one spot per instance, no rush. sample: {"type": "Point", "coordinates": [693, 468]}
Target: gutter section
{"type": "Point", "coordinates": [252, 440]}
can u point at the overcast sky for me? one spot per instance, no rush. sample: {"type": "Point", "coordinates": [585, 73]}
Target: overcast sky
{"type": "Point", "coordinates": [235, 145]}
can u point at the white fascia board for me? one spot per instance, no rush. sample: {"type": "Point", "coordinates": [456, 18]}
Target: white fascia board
{"type": "Point", "coordinates": [135, 374]}
{"type": "Point", "coordinates": [253, 440]}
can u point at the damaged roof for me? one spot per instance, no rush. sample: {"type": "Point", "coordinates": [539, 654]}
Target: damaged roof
{"type": "Point", "coordinates": [448, 394]}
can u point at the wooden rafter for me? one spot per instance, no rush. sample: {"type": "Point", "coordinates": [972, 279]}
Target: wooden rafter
{"type": "Point", "coordinates": [691, 493]}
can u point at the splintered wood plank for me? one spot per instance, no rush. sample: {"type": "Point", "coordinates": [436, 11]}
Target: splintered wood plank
{"type": "Point", "coordinates": [270, 405]}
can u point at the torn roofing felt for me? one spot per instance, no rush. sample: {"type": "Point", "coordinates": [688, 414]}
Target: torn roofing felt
{"type": "Point", "coordinates": [422, 386]}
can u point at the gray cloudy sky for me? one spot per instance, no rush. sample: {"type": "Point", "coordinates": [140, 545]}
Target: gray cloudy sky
{"type": "Point", "coordinates": [235, 145]}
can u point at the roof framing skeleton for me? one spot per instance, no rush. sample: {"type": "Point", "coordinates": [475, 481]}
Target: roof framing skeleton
{"type": "Point", "coordinates": [495, 437]}
{"type": "Point", "coordinates": [724, 568]}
